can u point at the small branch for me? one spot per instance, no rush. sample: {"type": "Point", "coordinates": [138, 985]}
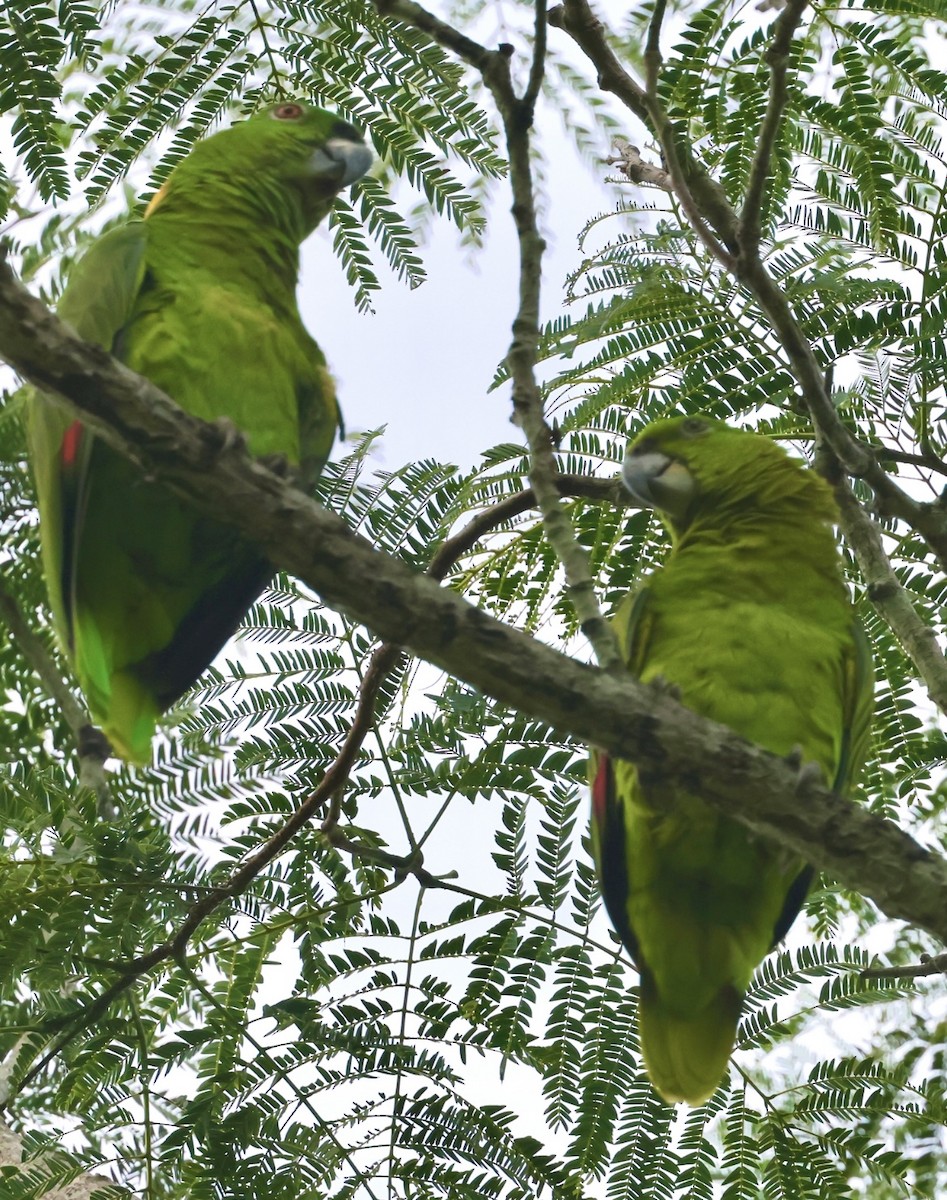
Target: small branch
{"type": "Point", "coordinates": [784, 27]}
{"type": "Point", "coordinates": [926, 462]}
{"type": "Point", "coordinates": [385, 659]}
{"type": "Point", "coordinates": [437, 30]}
{"type": "Point", "coordinates": [885, 590]}
{"type": "Point", "coordinates": [538, 66]}
{"type": "Point", "coordinates": [690, 181]}
{"type": "Point", "coordinates": [588, 32]}
{"type": "Point", "coordinates": [936, 965]}
{"type": "Point", "coordinates": [635, 168]}
{"type": "Point", "coordinates": [387, 656]}
{"type": "Point", "coordinates": [527, 395]}
{"type": "Point", "coordinates": [652, 50]}
{"type": "Point", "coordinates": [516, 114]}
{"type": "Point", "coordinates": [92, 745]}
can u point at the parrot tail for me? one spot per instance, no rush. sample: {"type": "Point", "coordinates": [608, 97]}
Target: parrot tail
{"type": "Point", "coordinates": [130, 721]}
{"type": "Point", "coordinates": [125, 708]}
{"type": "Point", "coordinates": [687, 1055]}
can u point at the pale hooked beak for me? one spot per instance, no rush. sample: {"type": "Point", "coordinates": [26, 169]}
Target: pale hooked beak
{"type": "Point", "coordinates": [341, 160]}
{"type": "Point", "coordinates": [656, 480]}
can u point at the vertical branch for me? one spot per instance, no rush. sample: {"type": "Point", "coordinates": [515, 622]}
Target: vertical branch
{"type": "Point", "coordinates": [652, 50]}
{"type": "Point", "coordinates": [777, 56]}
{"type": "Point", "coordinates": [516, 113]}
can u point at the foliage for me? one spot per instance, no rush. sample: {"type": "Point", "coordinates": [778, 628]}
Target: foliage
{"type": "Point", "coordinates": [347, 1027]}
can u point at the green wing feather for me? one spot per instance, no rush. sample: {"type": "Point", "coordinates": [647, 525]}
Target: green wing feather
{"type": "Point", "coordinates": [102, 289]}
{"type": "Point", "coordinates": [749, 619]}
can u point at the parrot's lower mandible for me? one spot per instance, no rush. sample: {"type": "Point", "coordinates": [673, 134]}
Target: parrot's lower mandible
{"type": "Point", "coordinates": [750, 621]}
{"type": "Point", "coordinates": [200, 297]}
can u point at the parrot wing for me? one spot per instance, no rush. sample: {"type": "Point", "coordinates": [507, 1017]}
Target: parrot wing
{"type": "Point", "coordinates": [858, 693]}
{"type": "Point", "coordinates": [97, 302]}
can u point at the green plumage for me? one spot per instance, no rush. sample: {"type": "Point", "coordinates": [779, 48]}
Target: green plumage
{"type": "Point", "coordinates": [200, 297]}
{"type": "Point", "coordinates": [749, 618]}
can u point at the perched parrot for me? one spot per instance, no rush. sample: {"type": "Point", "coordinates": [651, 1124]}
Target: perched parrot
{"type": "Point", "coordinates": [750, 620]}
{"type": "Point", "coordinates": [199, 296]}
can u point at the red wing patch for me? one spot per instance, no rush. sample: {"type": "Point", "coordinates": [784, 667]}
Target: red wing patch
{"type": "Point", "coordinates": [602, 789]}
{"type": "Point", "coordinates": [71, 441]}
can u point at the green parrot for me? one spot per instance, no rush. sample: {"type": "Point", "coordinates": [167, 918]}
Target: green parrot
{"type": "Point", "coordinates": [200, 297]}
{"type": "Point", "coordinates": [750, 620]}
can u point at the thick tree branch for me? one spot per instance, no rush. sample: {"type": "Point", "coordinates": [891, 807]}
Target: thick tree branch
{"type": "Point", "coordinates": [624, 717]}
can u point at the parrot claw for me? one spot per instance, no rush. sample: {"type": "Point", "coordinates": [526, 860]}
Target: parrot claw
{"type": "Point", "coordinates": [794, 758]}
{"type": "Point", "coordinates": [223, 435]}
{"type": "Point", "coordinates": [279, 464]}
{"type": "Point", "coordinates": [664, 687]}
{"type": "Point", "coordinates": [807, 773]}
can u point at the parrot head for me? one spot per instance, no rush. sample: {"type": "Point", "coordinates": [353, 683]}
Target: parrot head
{"type": "Point", "coordinates": [286, 149]}
{"type": "Point", "coordinates": [684, 466]}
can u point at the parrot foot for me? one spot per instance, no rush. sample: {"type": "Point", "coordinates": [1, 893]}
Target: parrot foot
{"type": "Point", "coordinates": [664, 687]}
{"type": "Point", "coordinates": [279, 464]}
{"type": "Point", "coordinates": [223, 434]}
{"type": "Point", "coordinates": [807, 773]}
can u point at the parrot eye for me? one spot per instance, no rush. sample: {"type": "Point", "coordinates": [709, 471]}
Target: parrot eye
{"type": "Point", "coordinates": [694, 426]}
{"type": "Point", "coordinates": [288, 112]}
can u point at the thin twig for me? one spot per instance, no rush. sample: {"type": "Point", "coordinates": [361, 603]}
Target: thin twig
{"type": "Point", "coordinates": [885, 590]}
{"type": "Point", "coordinates": [929, 965]}
{"type": "Point", "coordinates": [652, 50]}
{"type": "Point", "coordinates": [516, 113]}
{"type": "Point", "coordinates": [784, 27]}
{"type": "Point", "coordinates": [275, 73]}
{"type": "Point", "coordinates": [92, 745]}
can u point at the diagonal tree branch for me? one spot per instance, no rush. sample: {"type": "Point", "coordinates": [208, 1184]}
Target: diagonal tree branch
{"type": "Point", "coordinates": [627, 719]}
{"type": "Point", "coordinates": [885, 590]}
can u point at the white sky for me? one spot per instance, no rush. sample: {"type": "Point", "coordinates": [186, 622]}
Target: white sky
{"type": "Point", "coordinates": [423, 362]}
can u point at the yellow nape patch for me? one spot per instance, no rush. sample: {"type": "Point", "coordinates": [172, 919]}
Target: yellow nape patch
{"type": "Point", "coordinates": [156, 199]}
